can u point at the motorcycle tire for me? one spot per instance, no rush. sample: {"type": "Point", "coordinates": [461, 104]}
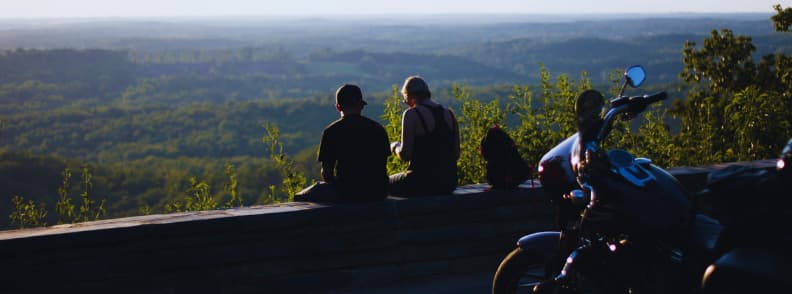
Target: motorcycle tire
{"type": "Point", "coordinates": [519, 272]}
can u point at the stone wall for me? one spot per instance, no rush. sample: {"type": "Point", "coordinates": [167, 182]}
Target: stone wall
{"type": "Point", "coordinates": [294, 247]}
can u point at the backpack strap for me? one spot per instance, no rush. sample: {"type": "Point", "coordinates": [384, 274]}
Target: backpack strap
{"type": "Point", "coordinates": [438, 113]}
{"type": "Point", "coordinates": [423, 122]}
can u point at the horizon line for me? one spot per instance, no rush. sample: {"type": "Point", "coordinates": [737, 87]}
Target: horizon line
{"type": "Point", "coordinates": [373, 15]}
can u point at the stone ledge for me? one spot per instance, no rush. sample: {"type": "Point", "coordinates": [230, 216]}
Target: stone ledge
{"type": "Point", "coordinates": [260, 247]}
{"type": "Point", "coordinates": [287, 247]}
{"type": "Point", "coordinates": [426, 204]}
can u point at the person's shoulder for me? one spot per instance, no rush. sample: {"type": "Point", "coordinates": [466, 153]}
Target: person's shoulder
{"type": "Point", "coordinates": [368, 119]}
{"type": "Point", "coordinates": [333, 125]}
{"type": "Point", "coordinates": [411, 113]}
{"type": "Point", "coordinates": [449, 113]}
{"type": "Point", "coordinates": [372, 123]}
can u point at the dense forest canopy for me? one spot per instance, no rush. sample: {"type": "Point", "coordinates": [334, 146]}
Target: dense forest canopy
{"type": "Point", "coordinates": [140, 107]}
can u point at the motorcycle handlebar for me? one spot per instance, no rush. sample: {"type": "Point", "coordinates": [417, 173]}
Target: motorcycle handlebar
{"type": "Point", "coordinates": [631, 106]}
{"type": "Point", "coordinates": [638, 104]}
{"type": "Point", "coordinates": [656, 97]}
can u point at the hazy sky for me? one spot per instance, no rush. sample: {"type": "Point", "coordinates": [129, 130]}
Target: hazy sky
{"type": "Point", "coordinates": [158, 8]}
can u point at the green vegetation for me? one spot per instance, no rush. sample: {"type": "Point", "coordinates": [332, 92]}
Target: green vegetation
{"type": "Point", "coordinates": [153, 130]}
{"type": "Point", "coordinates": [738, 108]}
{"type": "Point", "coordinates": [88, 209]}
{"type": "Point", "coordinates": [392, 115]}
{"type": "Point", "coordinates": [196, 198]}
{"type": "Point", "coordinates": [474, 119]}
{"type": "Point", "coordinates": [32, 214]}
{"type": "Point", "coordinates": [782, 19]}
{"type": "Point", "coordinates": [292, 180]}
{"type": "Point", "coordinates": [64, 207]}
{"type": "Point", "coordinates": [232, 187]}
{"type": "Point", "coordinates": [27, 214]}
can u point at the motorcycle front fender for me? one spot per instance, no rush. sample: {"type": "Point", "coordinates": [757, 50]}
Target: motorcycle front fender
{"type": "Point", "coordinates": [543, 243]}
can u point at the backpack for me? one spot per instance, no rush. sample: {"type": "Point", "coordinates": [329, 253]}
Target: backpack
{"type": "Point", "coordinates": [505, 167]}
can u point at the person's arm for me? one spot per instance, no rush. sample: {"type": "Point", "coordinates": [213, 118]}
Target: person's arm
{"type": "Point", "coordinates": [387, 150]}
{"type": "Point", "coordinates": [455, 130]}
{"type": "Point", "coordinates": [327, 157]}
{"type": "Point", "coordinates": [404, 151]}
{"type": "Point", "coordinates": [328, 171]}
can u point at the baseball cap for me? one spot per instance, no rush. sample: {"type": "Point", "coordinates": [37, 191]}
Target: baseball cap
{"type": "Point", "coordinates": [349, 94]}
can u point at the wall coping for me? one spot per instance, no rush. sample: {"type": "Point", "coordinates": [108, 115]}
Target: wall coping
{"type": "Point", "coordinates": [691, 177]}
{"type": "Point", "coordinates": [279, 247]}
{"type": "Point", "coordinates": [254, 210]}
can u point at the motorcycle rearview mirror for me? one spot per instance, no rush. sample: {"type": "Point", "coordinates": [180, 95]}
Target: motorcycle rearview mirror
{"type": "Point", "coordinates": [588, 108]}
{"type": "Point", "coordinates": [634, 76]}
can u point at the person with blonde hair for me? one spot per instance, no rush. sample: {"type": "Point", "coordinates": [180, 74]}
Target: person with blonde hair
{"type": "Point", "coordinates": [429, 142]}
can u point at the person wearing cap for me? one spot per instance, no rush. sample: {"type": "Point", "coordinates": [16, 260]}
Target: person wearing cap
{"type": "Point", "coordinates": [430, 142]}
{"type": "Point", "coordinates": [353, 151]}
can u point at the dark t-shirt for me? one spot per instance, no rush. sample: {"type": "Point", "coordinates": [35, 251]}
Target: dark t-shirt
{"type": "Point", "coordinates": [359, 148]}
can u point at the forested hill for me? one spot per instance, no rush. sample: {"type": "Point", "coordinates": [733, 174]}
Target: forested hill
{"type": "Point", "coordinates": [295, 52]}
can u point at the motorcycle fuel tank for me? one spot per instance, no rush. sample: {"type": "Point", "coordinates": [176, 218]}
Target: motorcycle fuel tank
{"type": "Point", "coordinates": [657, 207]}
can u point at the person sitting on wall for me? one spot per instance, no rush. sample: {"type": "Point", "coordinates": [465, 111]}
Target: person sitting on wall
{"type": "Point", "coordinates": [353, 151]}
{"type": "Point", "coordinates": [430, 142]}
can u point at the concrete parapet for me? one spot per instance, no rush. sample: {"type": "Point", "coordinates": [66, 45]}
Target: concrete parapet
{"type": "Point", "coordinates": [292, 247]}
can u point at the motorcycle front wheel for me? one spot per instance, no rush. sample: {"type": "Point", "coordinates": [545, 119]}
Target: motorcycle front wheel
{"type": "Point", "coordinates": [519, 272]}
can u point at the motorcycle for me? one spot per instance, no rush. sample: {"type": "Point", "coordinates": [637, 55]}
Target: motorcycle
{"type": "Point", "coordinates": [626, 225]}
{"type": "Point", "coordinates": [755, 241]}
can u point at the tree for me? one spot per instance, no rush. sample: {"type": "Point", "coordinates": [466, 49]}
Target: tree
{"type": "Point", "coordinates": [734, 100]}
{"type": "Point", "coordinates": [783, 18]}
{"type": "Point", "coordinates": [544, 123]}
{"type": "Point", "coordinates": [759, 121]}
{"type": "Point", "coordinates": [723, 63]}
